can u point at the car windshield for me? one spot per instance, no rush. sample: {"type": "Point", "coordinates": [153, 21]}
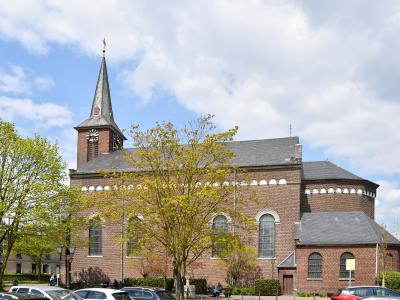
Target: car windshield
{"type": "Point", "coordinates": [62, 295]}
{"type": "Point", "coordinates": [121, 296]}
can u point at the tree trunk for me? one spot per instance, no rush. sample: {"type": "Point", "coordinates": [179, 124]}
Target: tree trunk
{"type": "Point", "coordinates": [179, 285]}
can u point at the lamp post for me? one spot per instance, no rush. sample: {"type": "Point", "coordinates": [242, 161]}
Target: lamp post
{"type": "Point", "coordinates": [69, 254]}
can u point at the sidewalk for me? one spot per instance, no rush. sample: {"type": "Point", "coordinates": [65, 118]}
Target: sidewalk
{"type": "Point", "coordinates": [239, 297]}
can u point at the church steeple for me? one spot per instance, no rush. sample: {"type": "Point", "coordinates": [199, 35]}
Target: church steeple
{"type": "Point", "coordinates": [99, 134]}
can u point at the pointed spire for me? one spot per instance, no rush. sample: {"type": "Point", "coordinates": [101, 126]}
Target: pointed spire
{"type": "Point", "coordinates": [102, 100]}
{"type": "Point", "coordinates": [101, 114]}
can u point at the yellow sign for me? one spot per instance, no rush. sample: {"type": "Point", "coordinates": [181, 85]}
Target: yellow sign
{"type": "Point", "coordinates": [350, 264]}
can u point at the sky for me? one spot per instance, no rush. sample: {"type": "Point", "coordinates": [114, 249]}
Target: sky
{"type": "Point", "coordinates": [331, 69]}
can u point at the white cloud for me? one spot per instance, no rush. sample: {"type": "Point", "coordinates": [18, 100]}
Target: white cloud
{"type": "Point", "coordinates": [388, 210]}
{"type": "Point", "coordinates": [331, 69]}
{"type": "Point", "coordinates": [42, 115]}
{"type": "Point", "coordinates": [20, 81]}
{"type": "Point", "coordinates": [44, 83]}
{"type": "Point", "coordinates": [14, 82]}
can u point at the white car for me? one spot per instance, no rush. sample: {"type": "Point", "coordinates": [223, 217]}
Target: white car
{"type": "Point", "coordinates": [46, 291]}
{"type": "Point", "coordinates": [102, 293]}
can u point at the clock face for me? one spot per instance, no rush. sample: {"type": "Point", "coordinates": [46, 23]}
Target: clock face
{"type": "Point", "coordinates": [92, 135]}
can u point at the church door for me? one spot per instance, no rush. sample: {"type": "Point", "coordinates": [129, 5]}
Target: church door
{"type": "Point", "coordinates": [288, 284]}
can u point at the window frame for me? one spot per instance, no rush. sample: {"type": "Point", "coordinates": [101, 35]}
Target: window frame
{"type": "Point", "coordinates": [220, 228]}
{"type": "Point", "coordinates": [343, 273]}
{"type": "Point", "coordinates": [95, 237]}
{"type": "Point", "coordinates": [315, 266]}
{"type": "Point", "coordinates": [266, 236]}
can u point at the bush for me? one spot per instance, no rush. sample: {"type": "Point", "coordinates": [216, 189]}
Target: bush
{"type": "Point", "coordinates": [200, 283]}
{"type": "Point", "coordinates": [248, 291]}
{"type": "Point", "coordinates": [392, 280]}
{"type": "Point", "coordinates": [323, 295]}
{"type": "Point", "coordinates": [149, 282]}
{"type": "Point", "coordinates": [26, 277]}
{"type": "Point", "coordinates": [304, 294]}
{"type": "Point", "coordinates": [267, 287]}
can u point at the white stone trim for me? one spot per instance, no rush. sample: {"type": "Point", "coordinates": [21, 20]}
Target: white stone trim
{"type": "Point", "coordinates": [228, 218]}
{"type": "Point", "coordinates": [268, 212]}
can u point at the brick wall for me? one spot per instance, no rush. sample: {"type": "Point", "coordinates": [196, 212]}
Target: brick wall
{"type": "Point", "coordinates": [337, 202]}
{"type": "Point", "coordinates": [365, 273]}
{"type": "Point", "coordinates": [283, 199]}
{"type": "Point", "coordinates": [105, 137]}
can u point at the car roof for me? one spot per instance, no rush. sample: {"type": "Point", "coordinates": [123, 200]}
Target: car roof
{"type": "Point", "coordinates": [20, 296]}
{"type": "Point", "coordinates": [39, 286]}
{"type": "Point", "coordinates": [364, 286]}
{"type": "Point", "coordinates": [144, 288]}
{"type": "Point", "coordinates": [104, 290]}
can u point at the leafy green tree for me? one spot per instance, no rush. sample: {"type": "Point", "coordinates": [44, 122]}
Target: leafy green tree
{"type": "Point", "coordinates": [52, 227]}
{"type": "Point", "coordinates": [31, 176]}
{"type": "Point", "coordinates": [242, 268]}
{"type": "Point", "coordinates": [178, 185]}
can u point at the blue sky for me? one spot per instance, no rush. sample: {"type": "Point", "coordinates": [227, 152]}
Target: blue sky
{"type": "Point", "coordinates": [331, 69]}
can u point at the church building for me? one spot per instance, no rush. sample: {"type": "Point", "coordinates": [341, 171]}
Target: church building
{"type": "Point", "coordinates": [312, 215]}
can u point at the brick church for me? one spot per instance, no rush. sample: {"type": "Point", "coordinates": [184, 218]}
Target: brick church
{"type": "Point", "coordinates": [315, 214]}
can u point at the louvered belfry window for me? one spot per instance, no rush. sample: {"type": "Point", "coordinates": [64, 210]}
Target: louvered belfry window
{"type": "Point", "coordinates": [266, 236]}
{"type": "Point", "coordinates": [315, 265]}
{"type": "Point", "coordinates": [92, 144]}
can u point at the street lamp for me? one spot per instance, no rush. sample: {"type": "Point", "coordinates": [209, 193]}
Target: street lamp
{"type": "Point", "coordinates": [69, 253]}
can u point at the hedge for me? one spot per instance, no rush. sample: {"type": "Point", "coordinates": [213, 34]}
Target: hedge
{"type": "Point", "coordinates": [392, 280]}
{"type": "Point", "coordinates": [247, 291]}
{"type": "Point", "coordinates": [149, 282]}
{"type": "Point", "coordinates": [26, 277]}
{"type": "Point", "coordinates": [200, 283]}
{"type": "Point", "coordinates": [267, 287]}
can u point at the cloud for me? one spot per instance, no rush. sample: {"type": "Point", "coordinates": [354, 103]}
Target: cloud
{"type": "Point", "coordinates": [14, 82]}
{"type": "Point", "coordinates": [387, 209]}
{"type": "Point", "coordinates": [21, 82]}
{"type": "Point", "coordinates": [329, 69]}
{"type": "Point", "coordinates": [42, 115]}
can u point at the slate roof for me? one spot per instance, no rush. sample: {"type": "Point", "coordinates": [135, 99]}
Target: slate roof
{"type": "Point", "coordinates": [340, 228]}
{"type": "Point", "coordinates": [320, 170]}
{"type": "Point", "coordinates": [101, 114]}
{"type": "Point", "coordinates": [253, 153]}
{"type": "Point", "coordinates": [289, 261]}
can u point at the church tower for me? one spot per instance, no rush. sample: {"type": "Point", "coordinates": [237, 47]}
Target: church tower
{"type": "Point", "coordinates": [99, 134]}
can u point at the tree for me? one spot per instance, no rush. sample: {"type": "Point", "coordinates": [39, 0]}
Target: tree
{"type": "Point", "coordinates": [177, 188]}
{"type": "Point", "coordinates": [31, 176]}
{"type": "Point", "coordinates": [52, 227]}
{"type": "Point", "coordinates": [242, 268]}
{"type": "Point", "coordinates": [382, 247]}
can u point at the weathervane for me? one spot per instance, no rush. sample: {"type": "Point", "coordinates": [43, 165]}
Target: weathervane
{"type": "Point", "coordinates": [104, 46]}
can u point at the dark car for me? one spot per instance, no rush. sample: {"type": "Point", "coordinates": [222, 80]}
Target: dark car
{"type": "Point", "coordinates": [357, 292]}
{"type": "Point", "coordinates": [16, 296]}
{"type": "Point", "coordinates": [140, 293]}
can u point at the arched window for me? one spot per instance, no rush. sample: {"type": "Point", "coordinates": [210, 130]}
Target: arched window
{"type": "Point", "coordinates": [95, 237]}
{"type": "Point", "coordinates": [133, 245]}
{"type": "Point", "coordinates": [343, 272]}
{"type": "Point", "coordinates": [220, 227]}
{"type": "Point", "coordinates": [266, 236]}
{"type": "Point", "coordinates": [389, 262]}
{"type": "Point", "coordinates": [315, 265]}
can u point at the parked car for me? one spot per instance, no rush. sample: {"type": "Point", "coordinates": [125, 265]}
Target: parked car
{"type": "Point", "coordinates": [357, 292]}
{"type": "Point", "coordinates": [16, 296]}
{"type": "Point", "coordinates": [102, 293]}
{"type": "Point", "coordinates": [141, 293]}
{"type": "Point", "coordinates": [45, 291]}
